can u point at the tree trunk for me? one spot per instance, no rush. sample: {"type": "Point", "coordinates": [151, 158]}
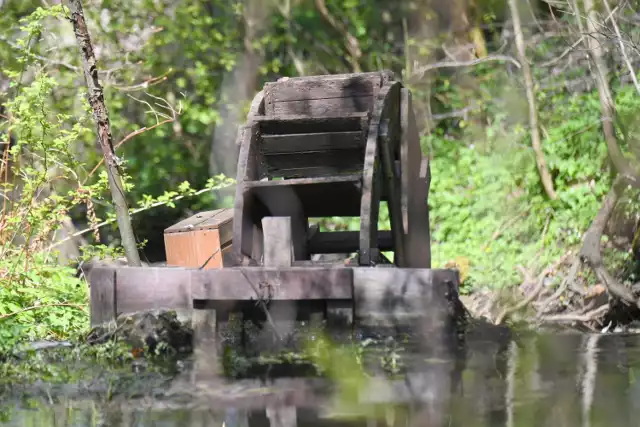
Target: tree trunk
{"type": "Point", "coordinates": [545, 176]}
{"type": "Point", "coordinates": [594, 43]}
{"type": "Point", "coordinates": [101, 116]}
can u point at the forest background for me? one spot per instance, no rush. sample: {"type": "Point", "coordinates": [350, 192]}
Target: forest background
{"type": "Point", "coordinates": [526, 110]}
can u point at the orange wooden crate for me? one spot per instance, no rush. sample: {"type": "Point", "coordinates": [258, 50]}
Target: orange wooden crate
{"type": "Point", "coordinates": [191, 242]}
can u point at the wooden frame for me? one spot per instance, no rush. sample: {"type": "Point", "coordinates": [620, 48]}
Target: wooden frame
{"type": "Point", "coordinates": [124, 290]}
{"type": "Point", "coordinates": [389, 168]}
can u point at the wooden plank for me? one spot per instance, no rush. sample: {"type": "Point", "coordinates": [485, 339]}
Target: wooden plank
{"type": "Point", "coordinates": [278, 247]}
{"type": "Point", "coordinates": [102, 288]}
{"type": "Point", "coordinates": [397, 296]}
{"type": "Point", "coordinates": [294, 143]}
{"type": "Point", "coordinates": [338, 86]}
{"type": "Point", "coordinates": [246, 241]}
{"type": "Point", "coordinates": [285, 125]}
{"type": "Point", "coordinates": [205, 345]}
{"type": "Point", "coordinates": [416, 179]}
{"type": "Point", "coordinates": [282, 416]}
{"type": "Point", "coordinates": [152, 288]}
{"type": "Point", "coordinates": [338, 242]}
{"type": "Point", "coordinates": [341, 162]}
{"type": "Point", "coordinates": [388, 140]}
{"type": "Point", "coordinates": [318, 196]}
{"type": "Point", "coordinates": [292, 283]}
{"type": "Point", "coordinates": [324, 106]}
{"type": "Point", "coordinates": [371, 184]}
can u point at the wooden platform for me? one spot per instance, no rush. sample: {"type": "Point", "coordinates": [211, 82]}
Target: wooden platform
{"type": "Point", "coordinates": [374, 294]}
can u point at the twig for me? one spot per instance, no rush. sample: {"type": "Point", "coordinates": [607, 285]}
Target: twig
{"type": "Point", "coordinates": [575, 317]}
{"type": "Point", "coordinates": [263, 306]}
{"type": "Point", "coordinates": [78, 306]}
{"type": "Point", "coordinates": [457, 64]}
{"type": "Point", "coordinates": [563, 54]}
{"type": "Point", "coordinates": [563, 286]}
{"type": "Point", "coordinates": [128, 137]}
{"type": "Point", "coordinates": [534, 293]}
{"type": "Point", "coordinates": [133, 212]}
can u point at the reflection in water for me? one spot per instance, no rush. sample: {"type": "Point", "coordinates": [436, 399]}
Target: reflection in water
{"type": "Point", "coordinates": [536, 380]}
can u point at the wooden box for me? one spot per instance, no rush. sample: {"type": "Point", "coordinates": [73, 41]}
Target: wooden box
{"type": "Point", "coordinates": [201, 240]}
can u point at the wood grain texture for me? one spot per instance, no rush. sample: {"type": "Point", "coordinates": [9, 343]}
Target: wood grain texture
{"type": "Point", "coordinates": [102, 294]}
{"type": "Point", "coordinates": [394, 296]}
{"type": "Point", "coordinates": [152, 288]}
{"type": "Point", "coordinates": [324, 106]}
{"type": "Point", "coordinates": [304, 142]}
{"type": "Point", "coordinates": [338, 242]}
{"type": "Point", "coordinates": [317, 195]}
{"type": "Point", "coordinates": [246, 241]}
{"type": "Point", "coordinates": [312, 163]}
{"type": "Point", "coordinates": [273, 283]}
{"type": "Point", "coordinates": [278, 247]}
{"type": "Point", "coordinates": [284, 125]}
{"type": "Point", "coordinates": [416, 178]}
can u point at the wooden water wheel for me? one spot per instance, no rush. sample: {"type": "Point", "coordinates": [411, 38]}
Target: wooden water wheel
{"type": "Point", "coordinates": [333, 146]}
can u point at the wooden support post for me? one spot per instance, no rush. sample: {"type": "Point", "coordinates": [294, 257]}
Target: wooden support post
{"type": "Point", "coordinates": [205, 348]}
{"type": "Point", "coordinates": [103, 295]}
{"type": "Point", "coordinates": [282, 416]}
{"type": "Point", "coordinates": [277, 241]}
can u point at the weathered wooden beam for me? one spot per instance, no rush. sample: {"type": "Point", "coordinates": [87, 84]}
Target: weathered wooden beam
{"type": "Point", "coordinates": [324, 106]}
{"type": "Point", "coordinates": [283, 125]}
{"type": "Point", "coordinates": [275, 283]}
{"type": "Point", "coordinates": [317, 195]}
{"type": "Point", "coordinates": [338, 242]}
{"type": "Point", "coordinates": [145, 288]}
{"type": "Point", "coordinates": [397, 296]}
{"type": "Point", "coordinates": [301, 142]}
{"type": "Point", "coordinates": [278, 248]}
{"type": "Point", "coordinates": [308, 163]}
{"type": "Point", "coordinates": [102, 295]}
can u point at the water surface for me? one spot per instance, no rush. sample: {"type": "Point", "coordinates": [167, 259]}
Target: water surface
{"type": "Point", "coordinates": [555, 380]}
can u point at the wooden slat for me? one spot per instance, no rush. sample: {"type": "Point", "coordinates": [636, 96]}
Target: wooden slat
{"type": "Point", "coordinates": [274, 283]}
{"type": "Point", "coordinates": [320, 88]}
{"type": "Point", "coordinates": [415, 190]}
{"type": "Point", "coordinates": [389, 139]}
{"type": "Point", "coordinates": [246, 239]}
{"type": "Point", "coordinates": [279, 144]}
{"type": "Point", "coordinates": [318, 196]}
{"type": "Point", "coordinates": [396, 296]}
{"type": "Point", "coordinates": [338, 242]}
{"type": "Point", "coordinates": [277, 241]}
{"type": "Point", "coordinates": [286, 125]}
{"type": "Point", "coordinates": [342, 162]}
{"type": "Point", "coordinates": [324, 107]}
{"type": "Point", "coordinates": [102, 285]}
{"type": "Point", "coordinates": [153, 288]}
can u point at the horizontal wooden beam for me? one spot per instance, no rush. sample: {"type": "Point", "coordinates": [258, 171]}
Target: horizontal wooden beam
{"type": "Point", "coordinates": [342, 242]}
{"type": "Point", "coordinates": [293, 283]}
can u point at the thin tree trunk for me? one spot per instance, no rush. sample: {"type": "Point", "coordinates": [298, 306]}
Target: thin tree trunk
{"type": "Point", "coordinates": [101, 116]}
{"type": "Point", "coordinates": [545, 176]}
{"type": "Point", "coordinates": [594, 44]}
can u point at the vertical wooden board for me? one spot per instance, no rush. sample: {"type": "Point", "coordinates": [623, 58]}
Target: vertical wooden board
{"type": "Point", "coordinates": [282, 416]}
{"type": "Point", "coordinates": [207, 245]}
{"type": "Point", "coordinates": [205, 344]}
{"type": "Point", "coordinates": [415, 193]}
{"type": "Point", "coordinates": [247, 171]}
{"type": "Point", "coordinates": [178, 249]}
{"type": "Point", "coordinates": [277, 241]}
{"type": "Point", "coordinates": [145, 288]}
{"type": "Point", "coordinates": [102, 293]}
{"type": "Point", "coordinates": [402, 296]}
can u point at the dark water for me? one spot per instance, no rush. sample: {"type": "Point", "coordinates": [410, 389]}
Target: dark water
{"type": "Point", "coordinates": [555, 380]}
